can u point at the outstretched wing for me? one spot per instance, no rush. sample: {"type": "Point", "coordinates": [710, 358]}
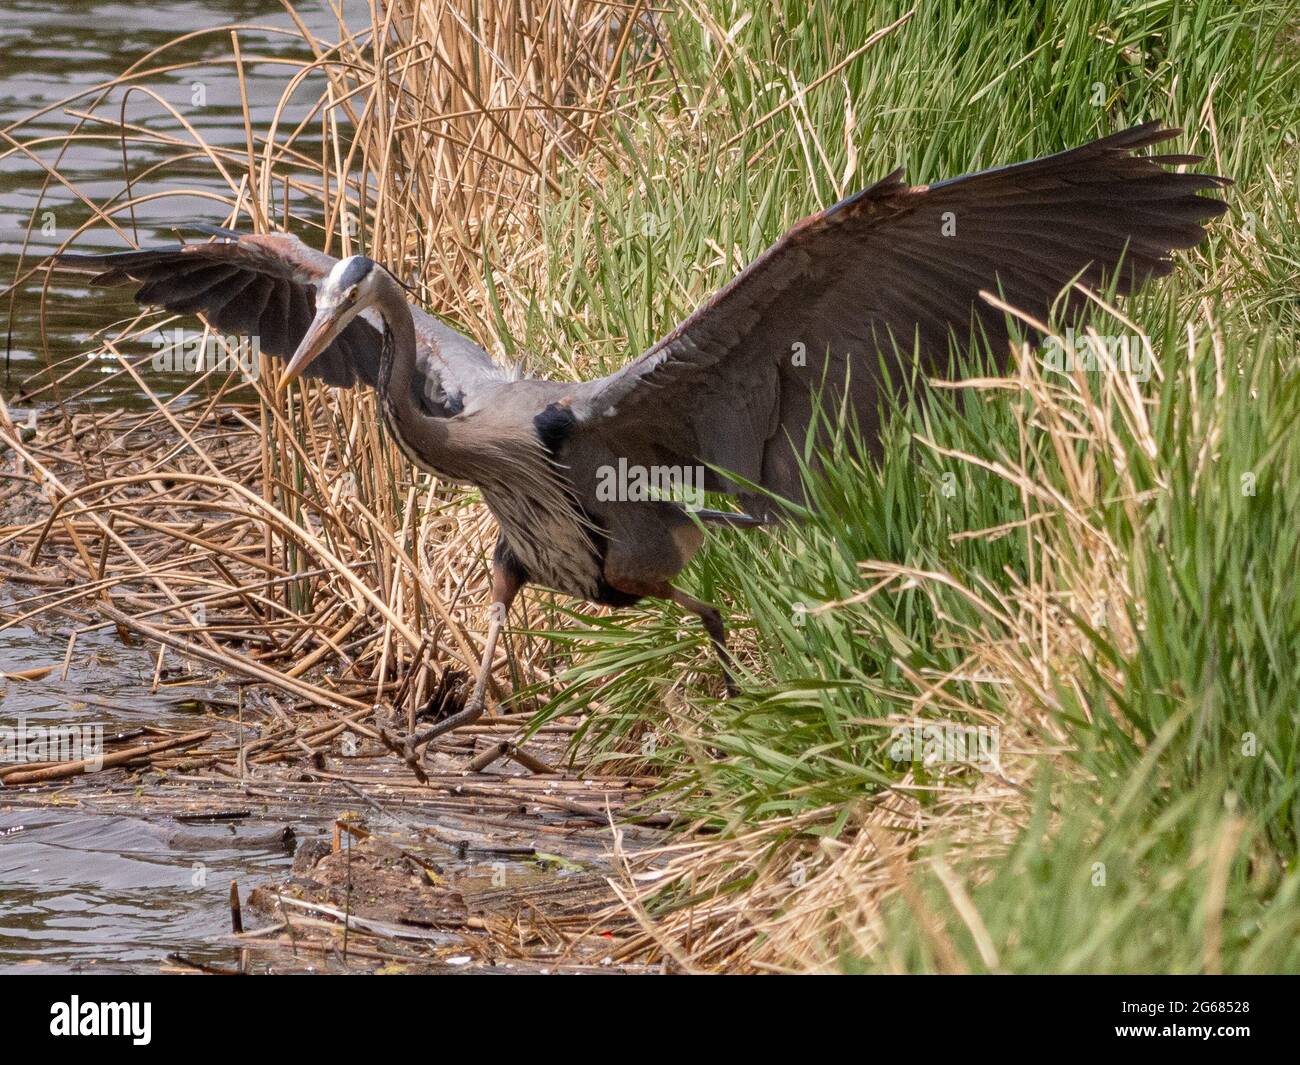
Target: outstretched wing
{"type": "Point", "coordinates": [892, 268]}
{"type": "Point", "coordinates": [264, 286]}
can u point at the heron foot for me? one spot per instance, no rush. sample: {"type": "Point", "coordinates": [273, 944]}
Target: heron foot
{"type": "Point", "coordinates": [466, 715]}
{"type": "Point", "coordinates": [405, 749]}
{"type": "Point", "coordinates": [410, 748]}
{"type": "Point", "coordinates": [729, 682]}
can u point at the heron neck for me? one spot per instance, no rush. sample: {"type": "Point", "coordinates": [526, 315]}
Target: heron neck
{"type": "Point", "coordinates": [397, 356]}
{"type": "Point", "coordinates": [425, 440]}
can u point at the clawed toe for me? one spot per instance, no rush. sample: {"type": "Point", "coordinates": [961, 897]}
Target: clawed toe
{"type": "Point", "coordinates": [407, 749]}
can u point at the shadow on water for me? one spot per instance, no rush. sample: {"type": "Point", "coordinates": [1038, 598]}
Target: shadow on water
{"type": "Point", "coordinates": [80, 890]}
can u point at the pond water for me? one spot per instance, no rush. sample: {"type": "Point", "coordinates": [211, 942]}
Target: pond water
{"type": "Point", "coordinates": [81, 891]}
{"type": "Point", "coordinates": [51, 50]}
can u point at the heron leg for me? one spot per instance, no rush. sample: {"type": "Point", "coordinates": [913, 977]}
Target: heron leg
{"type": "Point", "coordinates": [506, 582]}
{"type": "Point", "coordinates": [505, 586]}
{"type": "Point", "coordinates": [710, 616]}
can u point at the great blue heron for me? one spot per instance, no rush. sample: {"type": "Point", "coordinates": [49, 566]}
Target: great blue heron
{"type": "Point", "coordinates": [892, 268]}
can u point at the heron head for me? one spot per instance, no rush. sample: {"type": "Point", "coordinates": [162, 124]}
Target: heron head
{"type": "Point", "coordinates": [346, 291]}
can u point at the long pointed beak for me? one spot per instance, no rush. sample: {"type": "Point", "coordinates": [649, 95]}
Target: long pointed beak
{"type": "Point", "coordinates": [320, 335]}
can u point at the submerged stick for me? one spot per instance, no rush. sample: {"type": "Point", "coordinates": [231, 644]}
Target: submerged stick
{"type": "Point", "coordinates": [236, 914]}
{"type": "Point", "coordinates": [508, 749]}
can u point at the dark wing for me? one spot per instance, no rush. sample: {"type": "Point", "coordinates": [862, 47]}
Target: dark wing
{"type": "Point", "coordinates": [261, 286]}
{"type": "Point", "coordinates": [894, 267]}
{"type": "Point", "coordinates": [264, 286]}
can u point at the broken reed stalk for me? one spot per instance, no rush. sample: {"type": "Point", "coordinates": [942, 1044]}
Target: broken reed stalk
{"type": "Point", "coordinates": [236, 913]}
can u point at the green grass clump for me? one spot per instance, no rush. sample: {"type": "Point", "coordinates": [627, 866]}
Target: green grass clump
{"type": "Point", "coordinates": [1160, 535]}
{"type": "Point", "coordinates": [1184, 885]}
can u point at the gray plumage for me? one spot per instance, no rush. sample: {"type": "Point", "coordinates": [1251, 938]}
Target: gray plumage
{"type": "Point", "coordinates": [893, 271]}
